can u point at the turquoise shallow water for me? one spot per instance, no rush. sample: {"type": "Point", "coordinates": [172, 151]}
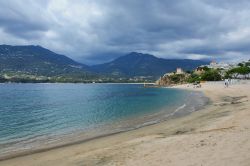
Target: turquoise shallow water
{"type": "Point", "coordinates": [37, 115]}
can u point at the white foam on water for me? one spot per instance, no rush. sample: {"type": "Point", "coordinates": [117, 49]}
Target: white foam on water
{"type": "Point", "coordinates": [175, 111]}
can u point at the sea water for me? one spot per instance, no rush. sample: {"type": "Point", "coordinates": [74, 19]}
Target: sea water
{"type": "Point", "coordinates": [34, 116]}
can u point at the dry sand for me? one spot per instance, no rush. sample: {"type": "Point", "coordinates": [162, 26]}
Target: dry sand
{"type": "Point", "coordinates": [217, 135]}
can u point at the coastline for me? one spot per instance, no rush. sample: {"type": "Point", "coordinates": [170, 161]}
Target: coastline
{"type": "Point", "coordinates": [140, 83]}
{"type": "Point", "coordinates": [144, 146]}
{"type": "Point", "coordinates": [125, 125]}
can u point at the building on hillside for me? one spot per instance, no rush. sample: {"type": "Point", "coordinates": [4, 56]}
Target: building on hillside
{"type": "Point", "coordinates": [173, 78]}
{"type": "Point", "coordinates": [215, 65]}
{"type": "Point", "coordinates": [222, 67]}
{"type": "Point", "coordinates": [179, 71]}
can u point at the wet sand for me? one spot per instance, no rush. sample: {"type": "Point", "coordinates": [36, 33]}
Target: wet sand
{"type": "Point", "coordinates": [217, 135]}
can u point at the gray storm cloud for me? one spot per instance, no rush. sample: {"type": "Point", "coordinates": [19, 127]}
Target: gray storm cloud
{"type": "Point", "coordinates": [96, 31]}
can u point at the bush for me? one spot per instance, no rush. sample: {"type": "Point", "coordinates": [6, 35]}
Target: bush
{"type": "Point", "coordinates": [242, 70]}
{"type": "Point", "coordinates": [193, 78]}
{"type": "Point", "coordinates": [241, 64]}
{"type": "Point", "coordinates": [177, 78]}
{"type": "Point", "coordinates": [211, 75]}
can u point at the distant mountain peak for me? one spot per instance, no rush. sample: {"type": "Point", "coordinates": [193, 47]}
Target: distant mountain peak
{"type": "Point", "coordinates": [140, 64]}
{"type": "Point", "coordinates": [134, 56]}
{"type": "Point", "coordinates": [138, 54]}
{"type": "Point", "coordinates": [35, 59]}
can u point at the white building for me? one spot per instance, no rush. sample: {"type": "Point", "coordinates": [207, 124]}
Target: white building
{"type": "Point", "coordinates": [215, 65]}
{"type": "Point", "coordinates": [179, 71]}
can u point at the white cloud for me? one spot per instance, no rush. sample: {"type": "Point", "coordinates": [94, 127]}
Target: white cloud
{"type": "Point", "coordinates": [95, 31]}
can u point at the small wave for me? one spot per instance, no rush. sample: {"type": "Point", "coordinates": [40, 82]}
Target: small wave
{"type": "Point", "coordinates": [177, 110]}
{"type": "Point", "coordinates": [148, 123]}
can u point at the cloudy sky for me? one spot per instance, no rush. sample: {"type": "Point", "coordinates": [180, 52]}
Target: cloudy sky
{"type": "Point", "coordinates": [95, 31]}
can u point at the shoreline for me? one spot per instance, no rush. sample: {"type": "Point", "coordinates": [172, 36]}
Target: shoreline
{"type": "Point", "coordinates": [139, 83]}
{"type": "Point", "coordinates": [156, 118]}
{"type": "Point", "coordinates": [214, 118]}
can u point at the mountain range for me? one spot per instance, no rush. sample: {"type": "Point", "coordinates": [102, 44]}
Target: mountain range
{"type": "Point", "coordinates": [138, 64]}
{"type": "Point", "coordinates": [38, 61]}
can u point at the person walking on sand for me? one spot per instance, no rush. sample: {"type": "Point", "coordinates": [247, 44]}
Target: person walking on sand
{"type": "Point", "coordinates": [226, 83]}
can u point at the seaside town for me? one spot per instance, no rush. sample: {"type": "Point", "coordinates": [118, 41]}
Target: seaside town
{"type": "Point", "coordinates": [212, 72]}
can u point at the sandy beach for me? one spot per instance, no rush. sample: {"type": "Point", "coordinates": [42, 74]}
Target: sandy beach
{"type": "Point", "coordinates": [217, 135]}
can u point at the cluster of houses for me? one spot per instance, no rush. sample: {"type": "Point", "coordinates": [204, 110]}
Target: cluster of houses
{"type": "Point", "coordinates": [166, 79]}
{"type": "Point", "coordinates": [200, 69]}
{"type": "Point", "coordinates": [214, 65]}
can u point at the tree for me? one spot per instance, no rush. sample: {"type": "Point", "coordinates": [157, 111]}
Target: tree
{"type": "Point", "coordinates": [177, 78]}
{"type": "Point", "coordinates": [211, 75]}
{"type": "Point", "coordinates": [241, 64]}
{"type": "Point", "coordinates": [205, 68]}
{"type": "Point", "coordinates": [193, 78]}
{"type": "Point", "coordinates": [247, 64]}
{"type": "Point", "coordinates": [242, 70]}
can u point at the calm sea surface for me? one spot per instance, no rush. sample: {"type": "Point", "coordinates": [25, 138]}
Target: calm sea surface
{"type": "Point", "coordinates": [34, 116]}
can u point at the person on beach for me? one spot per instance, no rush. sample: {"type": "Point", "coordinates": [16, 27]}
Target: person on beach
{"type": "Point", "coordinates": [226, 83]}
